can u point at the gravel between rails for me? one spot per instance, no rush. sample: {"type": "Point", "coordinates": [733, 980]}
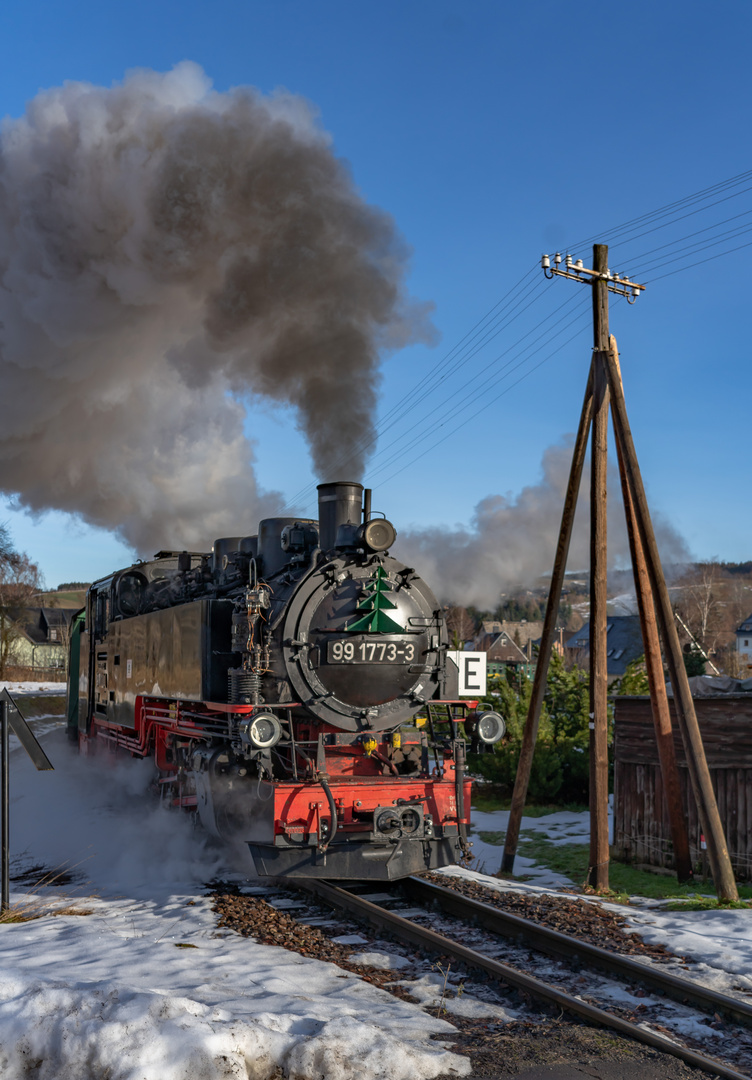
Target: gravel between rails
{"type": "Point", "coordinates": [573, 915]}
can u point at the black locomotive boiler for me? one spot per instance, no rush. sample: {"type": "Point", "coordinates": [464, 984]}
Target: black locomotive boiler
{"type": "Point", "coordinates": [294, 690]}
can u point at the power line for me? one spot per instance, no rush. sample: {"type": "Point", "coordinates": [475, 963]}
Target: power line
{"type": "Point", "coordinates": [451, 400]}
{"type": "Point", "coordinates": [513, 306]}
{"type": "Point", "coordinates": [697, 232]}
{"type": "Point", "coordinates": [403, 407]}
{"type": "Point", "coordinates": [693, 249]}
{"type": "Point", "coordinates": [470, 400]}
{"type": "Point", "coordinates": [700, 262]}
{"type": "Point", "coordinates": [486, 406]}
{"type": "Point", "coordinates": [667, 209]}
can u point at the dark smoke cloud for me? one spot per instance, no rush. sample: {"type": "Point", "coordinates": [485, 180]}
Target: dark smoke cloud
{"type": "Point", "coordinates": [511, 540]}
{"type": "Point", "coordinates": [166, 253]}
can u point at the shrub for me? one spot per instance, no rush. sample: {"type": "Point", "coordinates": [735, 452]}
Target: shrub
{"type": "Point", "coordinates": [561, 766]}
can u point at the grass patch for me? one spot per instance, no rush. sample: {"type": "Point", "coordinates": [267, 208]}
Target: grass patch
{"type": "Point", "coordinates": [496, 838]}
{"type": "Point", "coordinates": [709, 903]}
{"type": "Point", "coordinates": [572, 860]}
{"type": "Point", "coordinates": [29, 912]}
{"type": "Point", "coordinates": [70, 598]}
{"type": "Point", "coordinates": [33, 705]}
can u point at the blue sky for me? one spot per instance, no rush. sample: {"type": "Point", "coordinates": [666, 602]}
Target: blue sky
{"type": "Point", "coordinates": [491, 132]}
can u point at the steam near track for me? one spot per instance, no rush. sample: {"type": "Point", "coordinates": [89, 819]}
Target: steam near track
{"type": "Point", "coordinates": [167, 252]}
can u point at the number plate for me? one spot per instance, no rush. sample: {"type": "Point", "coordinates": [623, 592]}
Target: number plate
{"type": "Point", "coordinates": [371, 650]}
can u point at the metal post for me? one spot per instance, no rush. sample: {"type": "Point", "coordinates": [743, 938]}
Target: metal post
{"type": "Point", "coordinates": [4, 809]}
{"type": "Point", "coordinates": [530, 733]}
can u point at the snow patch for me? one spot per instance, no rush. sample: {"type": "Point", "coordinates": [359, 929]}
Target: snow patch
{"type": "Point", "coordinates": [385, 960]}
{"type": "Point", "coordinates": [429, 991]}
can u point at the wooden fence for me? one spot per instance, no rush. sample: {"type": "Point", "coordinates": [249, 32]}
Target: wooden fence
{"type": "Point", "coordinates": [37, 674]}
{"type": "Point", "coordinates": [641, 826]}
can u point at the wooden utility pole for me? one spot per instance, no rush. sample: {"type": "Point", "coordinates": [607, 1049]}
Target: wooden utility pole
{"type": "Point", "coordinates": [604, 388]}
{"type": "Point", "coordinates": [598, 869]}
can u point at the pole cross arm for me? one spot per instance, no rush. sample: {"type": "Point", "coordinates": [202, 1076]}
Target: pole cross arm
{"type": "Point", "coordinates": [574, 270]}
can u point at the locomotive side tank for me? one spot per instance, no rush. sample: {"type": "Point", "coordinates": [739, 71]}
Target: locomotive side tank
{"type": "Point", "coordinates": [294, 690]}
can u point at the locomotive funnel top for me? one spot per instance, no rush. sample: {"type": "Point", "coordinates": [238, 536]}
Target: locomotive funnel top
{"type": "Point", "coordinates": [340, 503]}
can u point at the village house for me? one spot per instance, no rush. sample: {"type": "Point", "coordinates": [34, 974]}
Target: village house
{"type": "Point", "coordinates": [744, 644]}
{"type": "Point", "coordinates": [500, 647]}
{"type": "Point", "coordinates": [624, 644]}
{"type": "Point", "coordinates": [40, 639]}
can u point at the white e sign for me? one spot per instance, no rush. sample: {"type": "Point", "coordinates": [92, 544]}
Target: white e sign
{"type": "Point", "coordinates": [472, 669]}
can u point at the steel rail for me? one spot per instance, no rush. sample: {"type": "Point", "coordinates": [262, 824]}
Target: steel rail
{"type": "Point", "coordinates": [421, 936]}
{"type": "Point", "coordinates": [554, 943]}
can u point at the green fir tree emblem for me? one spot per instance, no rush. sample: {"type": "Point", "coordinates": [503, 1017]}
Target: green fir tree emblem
{"type": "Point", "coordinates": [374, 605]}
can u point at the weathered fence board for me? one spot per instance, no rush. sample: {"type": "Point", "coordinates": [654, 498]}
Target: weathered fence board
{"type": "Point", "coordinates": [641, 825]}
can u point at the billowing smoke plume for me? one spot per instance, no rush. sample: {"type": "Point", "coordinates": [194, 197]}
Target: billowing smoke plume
{"type": "Point", "coordinates": [511, 541]}
{"type": "Point", "coordinates": [167, 252]}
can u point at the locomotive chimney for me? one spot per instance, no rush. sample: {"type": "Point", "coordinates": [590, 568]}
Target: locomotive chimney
{"type": "Point", "coordinates": [339, 504]}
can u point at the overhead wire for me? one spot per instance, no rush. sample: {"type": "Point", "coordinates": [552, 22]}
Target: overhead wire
{"type": "Point", "coordinates": [669, 212]}
{"type": "Point", "coordinates": [488, 404]}
{"type": "Point", "coordinates": [519, 299]}
{"type": "Point", "coordinates": [700, 262]}
{"type": "Point", "coordinates": [533, 290]}
{"type": "Point", "coordinates": [453, 403]}
{"type": "Point", "coordinates": [687, 236]}
{"type": "Point", "coordinates": [667, 209]}
{"type": "Point", "coordinates": [694, 248]}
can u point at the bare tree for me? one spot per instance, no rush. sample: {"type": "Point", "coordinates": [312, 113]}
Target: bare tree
{"type": "Point", "coordinates": [461, 626]}
{"type": "Point", "coordinates": [701, 604]}
{"type": "Point", "coordinates": [19, 583]}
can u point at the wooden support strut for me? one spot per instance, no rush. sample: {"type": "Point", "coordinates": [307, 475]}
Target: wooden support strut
{"type": "Point", "coordinates": [530, 733]}
{"type": "Point", "coordinates": [653, 662]}
{"type": "Point", "coordinates": [718, 856]}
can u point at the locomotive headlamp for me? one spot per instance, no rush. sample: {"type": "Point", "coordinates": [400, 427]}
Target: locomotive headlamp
{"type": "Point", "coordinates": [378, 534]}
{"type": "Point", "coordinates": [262, 731]}
{"type": "Point", "coordinates": [490, 727]}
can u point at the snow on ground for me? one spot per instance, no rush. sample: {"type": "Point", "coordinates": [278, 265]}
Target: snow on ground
{"type": "Point", "coordinates": [145, 987]}
{"type": "Point", "coordinates": [718, 942]}
{"type": "Point", "coordinates": [149, 988]}
{"type": "Point", "coordinates": [563, 827]}
{"type": "Point", "coordinates": [432, 991]}
{"type": "Point", "coordinates": [33, 687]}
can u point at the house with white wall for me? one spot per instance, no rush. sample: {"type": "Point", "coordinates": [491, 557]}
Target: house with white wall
{"type": "Point", "coordinates": [744, 641]}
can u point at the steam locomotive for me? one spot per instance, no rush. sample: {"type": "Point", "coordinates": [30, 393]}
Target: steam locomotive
{"type": "Point", "coordinates": [295, 691]}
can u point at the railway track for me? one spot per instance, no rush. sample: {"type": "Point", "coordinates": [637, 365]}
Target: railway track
{"type": "Point", "coordinates": [552, 943]}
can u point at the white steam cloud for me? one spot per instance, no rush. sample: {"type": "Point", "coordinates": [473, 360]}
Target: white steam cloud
{"type": "Point", "coordinates": [512, 540]}
{"type": "Point", "coordinates": [167, 252]}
